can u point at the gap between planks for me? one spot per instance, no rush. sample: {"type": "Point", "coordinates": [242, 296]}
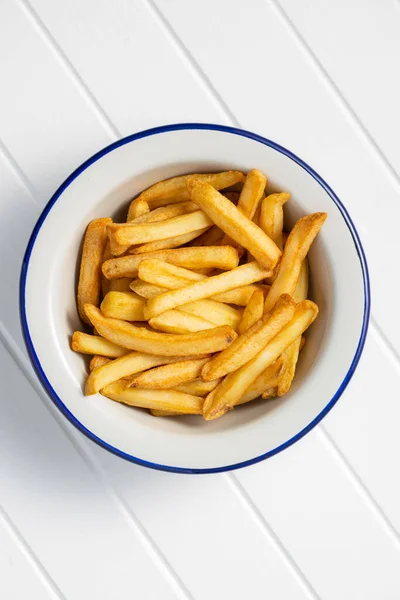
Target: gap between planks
{"type": "Point", "coordinates": [30, 556]}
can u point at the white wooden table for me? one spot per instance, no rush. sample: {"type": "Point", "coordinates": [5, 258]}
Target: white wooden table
{"type": "Point", "coordinates": [320, 520]}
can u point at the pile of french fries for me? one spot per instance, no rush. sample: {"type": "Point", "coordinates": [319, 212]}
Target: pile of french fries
{"type": "Point", "coordinates": [198, 303]}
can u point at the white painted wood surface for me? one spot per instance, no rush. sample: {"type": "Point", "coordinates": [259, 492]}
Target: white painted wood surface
{"type": "Point", "coordinates": [322, 519]}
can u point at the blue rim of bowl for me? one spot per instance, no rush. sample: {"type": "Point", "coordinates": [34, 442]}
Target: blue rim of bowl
{"type": "Point", "coordinates": [155, 131]}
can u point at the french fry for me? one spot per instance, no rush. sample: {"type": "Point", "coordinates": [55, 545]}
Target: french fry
{"type": "Point", "coordinates": [291, 354]}
{"type": "Point", "coordinates": [165, 344]}
{"type": "Point", "coordinates": [271, 216]}
{"type": "Point", "coordinates": [175, 321]}
{"type": "Point", "coordinates": [130, 364]}
{"type": "Point", "coordinates": [228, 393]}
{"type": "Point", "coordinates": [172, 242]}
{"type": "Point", "coordinates": [266, 381]}
{"type": "Point", "coordinates": [137, 208]}
{"type": "Point", "coordinates": [215, 312]}
{"type": "Point", "coordinates": [159, 273]}
{"type": "Point", "coordinates": [129, 234]}
{"type": "Point", "coordinates": [270, 393]}
{"type": "Point", "coordinates": [95, 344]}
{"type": "Point", "coordinates": [174, 190]}
{"type": "Point", "coordinates": [253, 312]}
{"type": "Point", "coordinates": [120, 285]}
{"type": "Point", "coordinates": [165, 413]}
{"type": "Point", "coordinates": [197, 387]}
{"type": "Point", "coordinates": [116, 249]}
{"type": "Point", "coordinates": [211, 237]}
{"type": "Point", "coordinates": [264, 386]}
{"type": "Point", "coordinates": [98, 361]}
{"type": "Point", "coordinates": [168, 376]}
{"type": "Point", "coordinates": [105, 284]}
{"type": "Point", "coordinates": [243, 275]}
{"type": "Point", "coordinates": [250, 196]}
{"type": "Point", "coordinates": [127, 306]}
{"type": "Point", "coordinates": [209, 400]}
{"type": "Point", "coordinates": [210, 310]}
{"type": "Point", "coordinates": [297, 245]}
{"type": "Point", "coordinates": [144, 289]}
{"type": "Point", "coordinates": [89, 285]}
{"type": "Point", "coordinates": [167, 275]}
{"type": "Point", "coordinates": [250, 343]}
{"type": "Point", "coordinates": [166, 400]}
{"type": "Point", "coordinates": [191, 258]}
{"type": "Point", "coordinates": [229, 218]}
{"type": "Point", "coordinates": [239, 296]}
{"type": "Point", "coordinates": [165, 212]}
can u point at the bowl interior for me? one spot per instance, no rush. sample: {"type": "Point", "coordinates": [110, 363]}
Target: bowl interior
{"type": "Point", "coordinates": [104, 188]}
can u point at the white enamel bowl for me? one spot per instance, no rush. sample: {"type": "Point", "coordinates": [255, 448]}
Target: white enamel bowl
{"type": "Point", "coordinates": [102, 187]}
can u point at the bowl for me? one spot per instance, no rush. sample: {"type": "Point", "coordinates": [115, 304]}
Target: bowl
{"type": "Point", "coordinates": [103, 186]}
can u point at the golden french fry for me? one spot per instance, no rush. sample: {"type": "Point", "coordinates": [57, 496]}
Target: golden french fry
{"type": "Point", "coordinates": [95, 344]}
{"type": "Point", "coordinates": [165, 413]}
{"type": "Point", "coordinates": [174, 190]}
{"type": "Point", "coordinates": [98, 361]}
{"type": "Point", "coordinates": [195, 257]}
{"type": "Point", "coordinates": [130, 364]}
{"type": "Point", "coordinates": [291, 354]}
{"type": "Point", "coordinates": [271, 216]}
{"type": "Point", "coordinates": [228, 393]}
{"type": "Point", "coordinates": [197, 387]}
{"type": "Point", "coordinates": [209, 400]}
{"type": "Point", "coordinates": [167, 400]}
{"type": "Point", "coordinates": [229, 218]}
{"type": "Point", "coordinates": [172, 242]}
{"type": "Point", "coordinates": [301, 290]}
{"type": "Point", "coordinates": [211, 237]}
{"type": "Point", "coordinates": [239, 296]}
{"type": "Point", "coordinates": [120, 285]}
{"type": "Point", "coordinates": [127, 306]}
{"type": "Point", "coordinates": [159, 273]}
{"type": "Point", "coordinates": [243, 275]}
{"type": "Point", "coordinates": [129, 234]}
{"type": "Point", "coordinates": [144, 289]}
{"type": "Point", "coordinates": [165, 344]}
{"type": "Point", "coordinates": [116, 249]}
{"type": "Point", "coordinates": [266, 381]}
{"type": "Point", "coordinates": [167, 275]}
{"type": "Point", "coordinates": [297, 245]}
{"type": "Point", "coordinates": [250, 196]}
{"type": "Point", "coordinates": [250, 343]}
{"type": "Point", "coordinates": [253, 312]}
{"type": "Point", "coordinates": [168, 376]}
{"type": "Point", "coordinates": [175, 321]}
{"type": "Point", "coordinates": [105, 284]}
{"type": "Point", "coordinates": [166, 212]}
{"type": "Point", "coordinates": [137, 208]}
{"type": "Point", "coordinates": [213, 311]}
{"type": "Point", "coordinates": [255, 391]}
{"type": "Point", "coordinates": [270, 393]}
{"type": "Point", "coordinates": [210, 310]}
{"type": "Point", "coordinates": [89, 285]}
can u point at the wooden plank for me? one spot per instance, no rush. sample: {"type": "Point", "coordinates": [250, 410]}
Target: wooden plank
{"type": "Point", "coordinates": [59, 506]}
